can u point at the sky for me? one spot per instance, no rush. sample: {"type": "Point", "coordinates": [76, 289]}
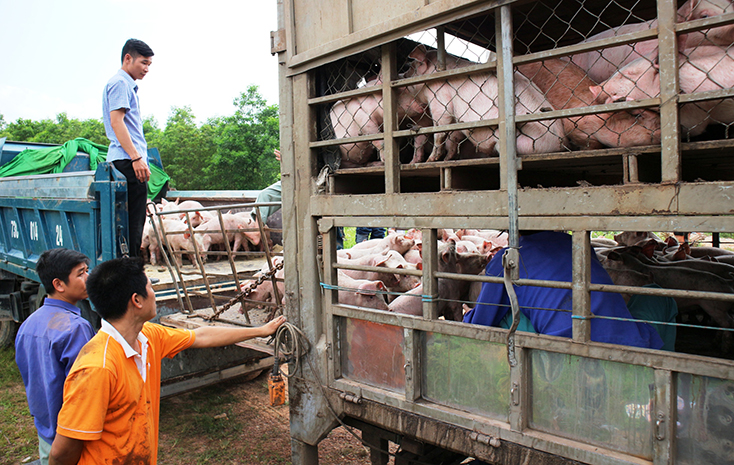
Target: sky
{"type": "Point", "coordinates": [57, 55]}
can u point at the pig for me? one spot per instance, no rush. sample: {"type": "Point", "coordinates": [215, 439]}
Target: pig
{"type": "Point", "coordinates": [602, 64]}
{"type": "Point", "coordinates": [450, 292]}
{"type": "Point", "coordinates": [396, 242]}
{"type": "Point", "coordinates": [391, 260]}
{"type": "Point", "coordinates": [363, 115]}
{"type": "Point", "coordinates": [474, 98]}
{"type": "Point", "coordinates": [211, 231]}
{"type": "Point", "coordinates": [413, 256]}
{"type": "Point", "coordinates": [361, 292]}
{"type": "Point", "coordinates": [701, 69]}
{"type": "Point", "coordinates": [265, 292]}
{"type": "Point", "coordinates": [466, 247]}
{"type": "Point", "coordinates": [567, 86]}
{"type": "Point", "coordinates": [177, 242]}
{"type": "Point", "coordinates": [410, 303]}
{"type": "Point", "coordinates": [145, 240]}
{"type": "Point", "coordinates": [635, 237]}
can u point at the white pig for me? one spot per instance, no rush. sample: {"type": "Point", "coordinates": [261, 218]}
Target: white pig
{"type": "Point", "coordinates": [601, 64]}
{"type": "Point", "coordinates": [701, 69]}
{"type": "Point", "coordinates": [474, 98]}
{"type": "Point", "coordinates": [358, 116]}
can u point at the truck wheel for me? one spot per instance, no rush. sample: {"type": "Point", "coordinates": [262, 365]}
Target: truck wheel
{"type": "Point", "coordinates": [8, 328]}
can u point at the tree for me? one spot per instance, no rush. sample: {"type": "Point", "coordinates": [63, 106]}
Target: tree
{"type": "Point", "coordinates": [244, 145]}
{"type": "Point", "coordinates": [185, 149]}
{"type": "Point", "coordinates": [54, 132]}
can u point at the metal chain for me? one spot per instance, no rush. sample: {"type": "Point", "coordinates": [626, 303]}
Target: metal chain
{"type": "Point", "coordinates": [246, 291]}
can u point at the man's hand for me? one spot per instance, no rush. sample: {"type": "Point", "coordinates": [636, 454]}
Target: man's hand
{"type": "Point", "coordinates": [273, 325]}
{"type": "Point", "coordinates": [277, 154]}
{"type": "Point", "coordinates": [218, 336]}
{"type": "Point", "coordinates": [142, 172]}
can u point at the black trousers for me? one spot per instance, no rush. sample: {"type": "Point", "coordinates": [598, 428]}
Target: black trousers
{"type": "Point", "coordinates": [137, 196]}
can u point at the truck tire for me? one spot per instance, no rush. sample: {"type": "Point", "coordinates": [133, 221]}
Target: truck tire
{"type": "Point", "coordinates": [8, 328]}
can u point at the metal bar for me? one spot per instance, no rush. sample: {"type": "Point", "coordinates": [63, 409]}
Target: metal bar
{"type": "Point", "coordinates": [507, 143]}
{"type": "Point", "coordinates": [663, 413]}
{"type": "Point", "coordinates": [581, 258]}
{"type": "Point", "coordinates": [429, 252]}
{"type": "Point", "coordinates": [413, 370]}
{"type": "Point", "coordinates": [669, 124]}
{"type": "Point", "coordinates": [164, 253]}
{"type": "Point", "coordinates": [330, 276]}
{"type": "Point", "coordinates": [378, 269]}
{"type": "Point", "coordinates": [264, 240]}
{"type": "Point", "coordinates": [390, 149]}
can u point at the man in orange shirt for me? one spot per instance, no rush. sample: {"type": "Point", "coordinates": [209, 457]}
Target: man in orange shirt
{"type": "Point", "coordinates": [112, 393]}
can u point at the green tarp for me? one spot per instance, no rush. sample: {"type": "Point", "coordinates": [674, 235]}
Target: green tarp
{"type": "Point", "coordinates": [52, 160]}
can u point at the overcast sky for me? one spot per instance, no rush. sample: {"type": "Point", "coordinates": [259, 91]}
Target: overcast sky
{"type": "Point", "coordinates": [56, 56]}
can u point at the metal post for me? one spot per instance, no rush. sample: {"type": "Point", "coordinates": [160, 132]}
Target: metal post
{"type": "Point", "coordinates": [390, 148]}
{"type": "Point", "coordinates": [581, 296]}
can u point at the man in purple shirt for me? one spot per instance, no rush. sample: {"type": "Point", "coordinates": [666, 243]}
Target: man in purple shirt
{"type": "Point", "coordinates": [124, 127]}
{"type": "Point", "coordinates": [50, 339]}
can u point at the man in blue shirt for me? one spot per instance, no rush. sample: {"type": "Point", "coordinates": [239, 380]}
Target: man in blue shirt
{"type": "Point", "coordinates": [124, 127]}
{"type": "Point", "coordinates": [547, 256]}
{"type": "Point", "coordinates": [50, 339]}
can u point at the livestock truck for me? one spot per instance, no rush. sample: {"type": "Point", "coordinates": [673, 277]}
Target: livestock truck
{"type": "Point", "coordinates": [85, 210]}
{"type": "Point", "coordinates": [423, 389]}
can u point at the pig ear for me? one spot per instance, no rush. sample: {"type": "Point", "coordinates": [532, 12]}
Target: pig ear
{"type": "Point", "coordinates": [383, 259]}
{"type": "Point", "coordinates": [418, 53]}
{"type": "Point", "coordinates": [680, 254]}
{"type": "Point", "coordinates": [595, 91]}
{"type": "Point", "coordinates": [648, 248]}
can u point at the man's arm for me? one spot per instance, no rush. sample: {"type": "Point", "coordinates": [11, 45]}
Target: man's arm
{"type": "Point", "coordinates": [213, 336]}
{"type": "Point", "coordinates": [117, 121]}
{"type": "Point", "coordinates": [65, 451]}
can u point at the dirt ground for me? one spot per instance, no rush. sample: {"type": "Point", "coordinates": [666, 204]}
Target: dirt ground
{"type": "Point", "coordinates": [233, 423]}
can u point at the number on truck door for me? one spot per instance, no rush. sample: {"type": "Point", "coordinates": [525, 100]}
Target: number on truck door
{"type": "Point", "coordinates": [59, 236]}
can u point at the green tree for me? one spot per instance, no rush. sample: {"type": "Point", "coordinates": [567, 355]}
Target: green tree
{"type": "Point", "coordinates": [54, 131]}
{"type": "Point", "coordinates": [244, 145]}
{"type": "Point", "coordinates": [185, 149]}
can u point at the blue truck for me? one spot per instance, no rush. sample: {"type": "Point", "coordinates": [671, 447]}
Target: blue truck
{"type": "Point", "coordinates": [85, 210]}
{"type": "Point", "coordinates": [79, 209]}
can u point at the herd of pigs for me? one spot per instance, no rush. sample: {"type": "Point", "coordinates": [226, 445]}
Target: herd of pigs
{"type": "Point", "coordinates": [620, 73]}
{"type": "Point", "coordinates": [240, 230]}
{"type": "Point", "coordinates": [632, 259]}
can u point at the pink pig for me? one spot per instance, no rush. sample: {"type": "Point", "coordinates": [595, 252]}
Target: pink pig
{"type": "Point", "coordinates": [474, 98]}
{"type": "Point", "coordinates": [601, 64]}
{"type": "Point", "coordinates": [358, 116]}
{"type": "Point", "coordinates": [701, 69]}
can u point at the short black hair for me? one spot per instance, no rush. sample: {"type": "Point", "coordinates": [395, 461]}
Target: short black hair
{"type": "Point", "coordinates": [111, 284]}
{"type": "Point", "coordinates": [58, 263]}
{"type": "Point", "coordinates": [136, 48]}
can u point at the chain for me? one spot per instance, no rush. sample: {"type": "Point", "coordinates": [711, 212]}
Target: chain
{"type": "Point", "coordinates": [246, 291]}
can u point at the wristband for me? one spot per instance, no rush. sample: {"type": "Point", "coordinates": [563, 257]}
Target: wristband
{"type": "Point", "coordinates": [139, 158]}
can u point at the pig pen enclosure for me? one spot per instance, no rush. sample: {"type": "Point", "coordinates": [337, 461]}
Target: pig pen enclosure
{"type": "Point", "coordinates": [214, 264]}
{"type": "Point", "coordinates": [571, 115]}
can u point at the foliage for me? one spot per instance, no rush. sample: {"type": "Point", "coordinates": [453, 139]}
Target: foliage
{"type": "Point", "coordinates": [225, 153]}
{"type": "Point", "coordinates": [185, 149]}
{"type": "Point", "coordinates": [54, 132]}
{"type": "Point", "coordinates": [245, 142]}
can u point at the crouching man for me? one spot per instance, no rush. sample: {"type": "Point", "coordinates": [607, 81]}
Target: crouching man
{"type": "Point", "coordinates": [112, 394]}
